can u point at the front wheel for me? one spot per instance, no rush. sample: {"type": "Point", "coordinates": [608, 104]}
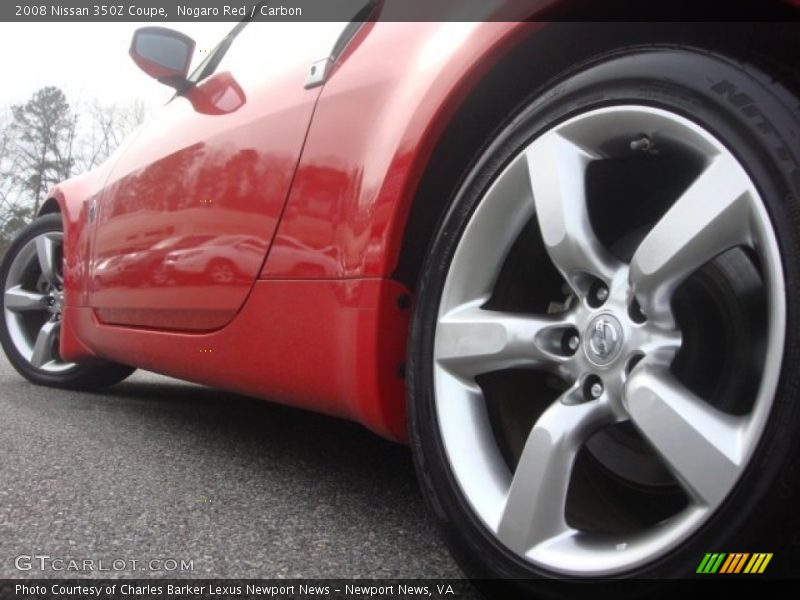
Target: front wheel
{"type": "Point", "coordinates": [602, 376]}
{"type": "Point", "coordinates": [31, 278]}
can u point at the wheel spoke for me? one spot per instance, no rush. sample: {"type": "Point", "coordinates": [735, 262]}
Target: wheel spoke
{"type": "Point", "coordinates": [615, 362]}
{"type": "Point", "coordinates": [46, 253]}
{"type": "Point", "coordinates": [18, 300]}
{"type": "Point", "coordinates": [710, 217]}
{"type": "Point", "coordinates": [44, 349]}
{"type": "Point", "coordinates": [471, 340]}
{"type": "Point", "coordinates": [558, 172]}
{"type": "Point", "coordinates": [700, 444]}
{"type": "Point", "coordinates": [536, 504]}
{"type": "Point", "coordinates": [505, 211]}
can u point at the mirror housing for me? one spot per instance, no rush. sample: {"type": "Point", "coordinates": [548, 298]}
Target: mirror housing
{"type": "Point", "coordinates": [164, 54]}
{"type": "Point", "coordinates": [220, 94]}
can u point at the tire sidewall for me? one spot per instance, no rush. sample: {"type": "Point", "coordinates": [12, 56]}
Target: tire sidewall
{"type": "Point", "coordinates": [757, 121]}
{"type": "Point", "coordinates": [70, 378]}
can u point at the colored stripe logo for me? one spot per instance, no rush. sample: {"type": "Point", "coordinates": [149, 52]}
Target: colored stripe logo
{"type": "Point", "coordinates": [734, 562]}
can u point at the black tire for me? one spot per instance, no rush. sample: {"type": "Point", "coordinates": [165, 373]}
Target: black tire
{"type": "Point", "coordinates": [88, 376]}
{"type": "Point", "coordinates": [759, 120]}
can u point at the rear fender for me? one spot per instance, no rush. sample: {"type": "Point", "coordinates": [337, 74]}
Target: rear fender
{"type": "Point", "coordinates": [375, 126]}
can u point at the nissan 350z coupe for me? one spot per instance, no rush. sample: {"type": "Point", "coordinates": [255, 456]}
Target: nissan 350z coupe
{"type": "Point", "coordinates": [560, 260]}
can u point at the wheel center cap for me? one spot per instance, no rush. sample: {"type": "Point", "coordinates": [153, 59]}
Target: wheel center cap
{"type": "Point", "coordinates": [604, 339]}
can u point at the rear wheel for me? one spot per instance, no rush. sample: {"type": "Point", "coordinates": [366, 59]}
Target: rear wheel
{"type": "Point", "coordinates": [31, 276]}
{"type": "Point", "coordinates": [597, 381]}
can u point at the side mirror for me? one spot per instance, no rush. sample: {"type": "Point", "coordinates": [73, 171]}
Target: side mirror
{"type": "Point", "coordinates": [220, 94]}
{"type": "Point", "coordinates": [164, 54]}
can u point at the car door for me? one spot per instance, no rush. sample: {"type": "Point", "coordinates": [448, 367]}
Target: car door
{"type": "Point", "coordinates": [215, 163]}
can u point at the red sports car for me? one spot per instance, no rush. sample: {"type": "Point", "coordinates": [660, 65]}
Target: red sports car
{"type": "Point", "coordinates": [560, 260]}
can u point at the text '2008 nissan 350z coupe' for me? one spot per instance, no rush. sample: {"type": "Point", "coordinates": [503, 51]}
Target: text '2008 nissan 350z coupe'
{"type": "Point", "coordinates": [560, 260]}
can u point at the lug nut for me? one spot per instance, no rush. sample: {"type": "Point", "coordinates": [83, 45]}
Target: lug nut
{"type": "Point", "coordinates": [601, 294]}
{"type": "Point", "coordinates": [596, 390]}
{"type": "Point", "coordinates": [573, 342]}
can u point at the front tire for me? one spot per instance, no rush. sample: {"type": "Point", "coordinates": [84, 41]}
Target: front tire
{"type": "Point", "coordinates": [598, 380]}
{"type": "Point", "coordinates": [31, 277]}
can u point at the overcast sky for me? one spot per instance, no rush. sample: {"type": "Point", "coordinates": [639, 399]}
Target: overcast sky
{"type": "Point", "coordinates": [86, 60]}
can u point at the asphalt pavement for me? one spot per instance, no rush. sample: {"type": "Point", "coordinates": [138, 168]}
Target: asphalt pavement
{"type": "Point", "coordinates": [158, 469]}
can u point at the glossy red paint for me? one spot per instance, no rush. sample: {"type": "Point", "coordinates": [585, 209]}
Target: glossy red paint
{"type": "Point", "coordinates": [189, 210]}
{"type": "Point", "coordinates": [322, 329]}
{"type": "Point", "coordinates": [375, 126]}
{"type": "Point", "coordinates": [330, 346]}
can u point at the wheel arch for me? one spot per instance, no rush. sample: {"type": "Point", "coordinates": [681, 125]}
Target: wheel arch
{"type": "Point", "coordinates": [533, 66]}
{"type": "Point", "coordinates": [388, 145]}
{"type": "Point", "coordinates": [49, 206]}
{"type": "Point", "coordinates": [71, 200]}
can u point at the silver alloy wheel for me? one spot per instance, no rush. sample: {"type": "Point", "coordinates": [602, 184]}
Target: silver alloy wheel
{"type": "Point", "coordinates": [617, 366]}
{"type": "Point", "coordinates": [33, 301]}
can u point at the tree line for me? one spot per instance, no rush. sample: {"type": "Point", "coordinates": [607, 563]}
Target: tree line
{"type": "Point", "coordinates": [46, 140]}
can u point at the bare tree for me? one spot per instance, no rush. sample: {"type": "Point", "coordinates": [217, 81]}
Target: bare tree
{"type": "Point", "coordinates": [6, 162]}
{"type": "Point", "coordinates": [4, 134]}
{"type": "Point", "coordinates": [109, 125]}
{"type": "Point", "coordinates": [13, 210]}
{"type": "Point", "coordinates": [5, 155]}
{"type": "Point", "coordinates": [43, 142]}
{"type": "Point", "coordinates": [44, 131]}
